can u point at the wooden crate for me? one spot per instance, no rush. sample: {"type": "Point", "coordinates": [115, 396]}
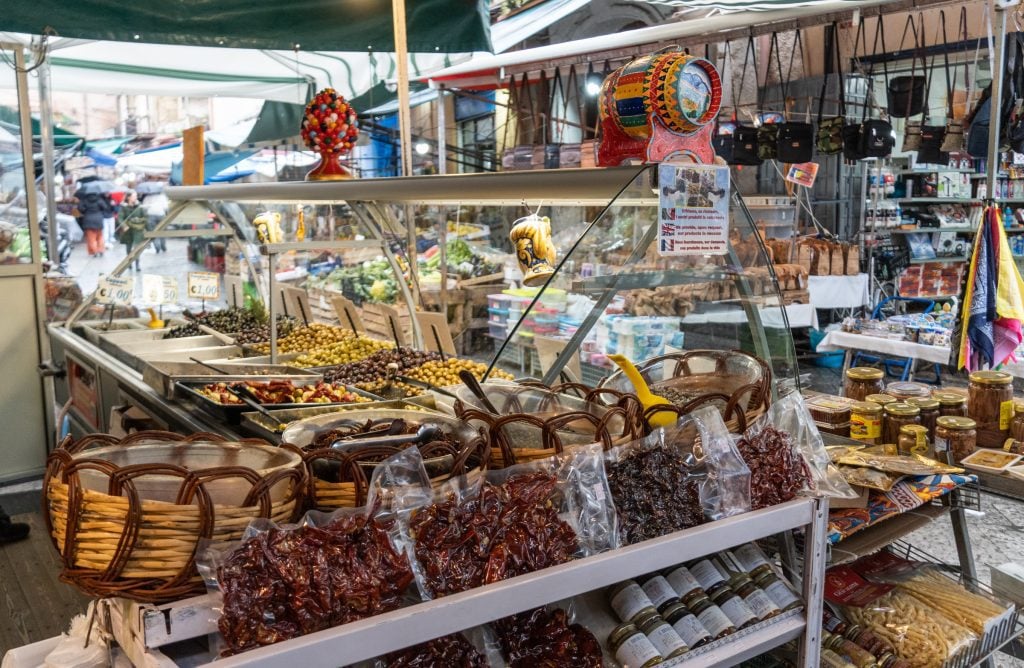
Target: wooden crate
{"type": "Point", "coordinates": [376, 319]}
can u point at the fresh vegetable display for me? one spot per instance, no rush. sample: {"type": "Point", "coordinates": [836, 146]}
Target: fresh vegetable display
{"type": "Point", "coordinates": [463, 261]}
{"type": "Point", "coordinates": [370, 281]}
{"type": "Point", "coordinates": [284, 392]}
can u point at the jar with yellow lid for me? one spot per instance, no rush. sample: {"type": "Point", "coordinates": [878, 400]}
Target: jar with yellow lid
{"type": "Point", "coordinates": [929, 412]}
{"type": "Point", "coordinates": [881, 399]}
{"type": "Point", "coordinates": [990, 405]}
{"type": "Point", "coordinates": [1017, 424]}
{"type": "Point", "coordinates": [951, 403]}
{"type": "Point", "coordinates": [955, 438]}
{"type": "Point", "coordinates": [897, 416]}
{"type": "Point", "coordinates": [913, 440]}
{"type": "Point", "coordinates": [905, 389]}
{"type": "Point", "coordinates": [866, 422]}
{"type": "Point", "coordinates": [861, 381]}
{"type": "Point", "coordinates": [632, 648]}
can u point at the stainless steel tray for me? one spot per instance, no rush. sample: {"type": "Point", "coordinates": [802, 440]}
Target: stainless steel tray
{"type": "Point", "coordinates": [259, 425]}
{"type": "Point", "coordinates": [232, 413]}
{"type": "Point", "coordinates": [162, 376]}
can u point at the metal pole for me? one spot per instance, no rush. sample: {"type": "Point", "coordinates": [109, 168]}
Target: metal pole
{"type": "Point", "coordinates": [271, 290]}
{"type": "Point", "coordinates": [442, 137]}
{"type": "Point", "coordinates": [46, 139]}
{"type": "Point", "coordinates": [998, 71]}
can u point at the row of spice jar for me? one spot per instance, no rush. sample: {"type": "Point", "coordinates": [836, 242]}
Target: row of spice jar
{"type": "Point", "coordinates": [665, 615]}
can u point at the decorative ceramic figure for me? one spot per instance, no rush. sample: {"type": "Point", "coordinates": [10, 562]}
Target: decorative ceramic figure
{"type": "Point", "coordinates": [531, 237]}
{"type": "Point", "coordinates": [329, 128]}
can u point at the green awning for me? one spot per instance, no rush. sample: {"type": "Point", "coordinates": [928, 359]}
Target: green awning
{"type": "Point", "coordinates": [434, 26]}
{"type": "Point", "coordinates": [111, 146]}
{"type": "Point", "coordinates": [380, 94]}
{"type": "Point", "coordinates": [61, 137]}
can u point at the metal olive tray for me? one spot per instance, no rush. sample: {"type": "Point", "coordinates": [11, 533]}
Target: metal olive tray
{"type": "Point", "coordinates": [232, 413]}
{"type": "Point", "coordinates": [260, 425]}
{"type": "Point", "coordinates": [162, 376]}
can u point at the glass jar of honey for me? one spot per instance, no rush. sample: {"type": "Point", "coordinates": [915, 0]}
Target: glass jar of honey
{"type": "Point", "coordinates": [861, 381]}
{"type": "Point", "coordinates": [897, 416]}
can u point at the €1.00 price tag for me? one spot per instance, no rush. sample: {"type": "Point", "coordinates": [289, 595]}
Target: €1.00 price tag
{"type": "Point", "coordinates": [203, 285]}
{"type": "Point", "coordinates": [159, 289]}
{"type": "Point", "coordinates": [115, 290]}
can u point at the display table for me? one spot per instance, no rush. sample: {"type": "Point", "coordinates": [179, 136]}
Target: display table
{"type": "Point", "coordinates": [838, 291]}
{"type": "Point", "coordinates": [798, 315]}
{"type": "Point", "coordinates": [873, 344]}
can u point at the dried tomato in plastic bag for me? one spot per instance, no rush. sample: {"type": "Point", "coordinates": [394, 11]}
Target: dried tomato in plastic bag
{"type": "Point", "coordinates": [777, 471]}
{"type": "Point", "coordinates": [654, 494]}
{"type": "Point", "coordinates": [451, 651]}
{"type": "Point", "coordinates": [505, 530]}
{"type": "Point", "coordinates": [285, 583]}
{"type": "Point", "coordinates": [539, 638]}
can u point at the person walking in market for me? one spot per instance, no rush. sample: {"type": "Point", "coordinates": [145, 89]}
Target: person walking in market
{"type": "Point", "coordinates": [132, 221]}
{"type": "Point", "coordinates": [93, 207]}
{"type": "Point", "coordinates": [156, 208]}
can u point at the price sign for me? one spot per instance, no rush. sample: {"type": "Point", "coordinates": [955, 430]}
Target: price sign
{"type": "Point", "coordinates": [115, 290]}
{"type": "Point", "coordinates": [203, 285]}
{"type": "Point", "coordinates": [159, 289]}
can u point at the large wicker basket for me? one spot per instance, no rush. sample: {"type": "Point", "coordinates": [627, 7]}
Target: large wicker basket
{"type": "Point", "coordinates": [127, 520]}
{"type": "Point", "coordinates": [736, 383]}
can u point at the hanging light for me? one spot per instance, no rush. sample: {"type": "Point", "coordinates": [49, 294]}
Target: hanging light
{"type": "Point", "coordinates": [422, 148]}
{"type": "Point", "coordinates": [593, 85]}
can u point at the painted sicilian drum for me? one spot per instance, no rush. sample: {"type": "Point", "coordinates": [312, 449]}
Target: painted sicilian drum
{"type": "Point", "coordinates": [659, 107]}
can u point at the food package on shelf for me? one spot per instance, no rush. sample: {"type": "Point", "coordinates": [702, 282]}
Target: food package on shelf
{"type": "Point", "coordinates": [637, 338]}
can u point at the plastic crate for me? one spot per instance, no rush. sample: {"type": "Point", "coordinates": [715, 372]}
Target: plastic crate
{"type": "Point", "coordinates": [496, 330]}
{"type": "Point", "coordinates": [499, 301]}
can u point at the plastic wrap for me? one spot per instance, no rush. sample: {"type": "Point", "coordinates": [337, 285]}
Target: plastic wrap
{"type": "Point", "coordinates": [491, 526]}
{"type": "Point", "coordinates": [787, 456]}
{"type": "Point", "coordinates": [280, 582]}
{"type": "Point", "coordinates": [677, 477]}
{"type": "Point", "coordinates": [898, 464]}
{"type": "Point", "coordinates": [547, 637]}
{"type": "Point", "coordinates": [474, 648]}
{"type": "Point", "coordinates": [870, 478]}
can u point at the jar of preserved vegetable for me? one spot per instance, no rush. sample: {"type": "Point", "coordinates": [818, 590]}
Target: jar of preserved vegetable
{"type": "Point", "coordinates": [955, 438]}
{"type": "Point", "coordinates": [684, 584]}
{"type": "Point", "coordinates": [907, 389]}
{"type": "Point", "coordinates": [929, 412]}
{"type": "Point", "coordinates": [861, 381]}
{"type": "Point", "coordinates": [897, 416]}
{"type": "Point", "coordinates": [880, 399]}
{"type": "Point", "coordinates": [866, 422]}
{"type": "Point", "coordinates": [734, 607]}
{"type": "Point", "coordinates": [632, 648]}
{"type": "Point", "coordinates": [778, 591]}
{"type": "Point", "coordinates": [951, 403]}
{"type": "Point", "coordinates": [830, 659]}
{"type": "Point", "coordinates": [660, 592]}
{"type": "Point", "coordinates": [758, 601]}
{"type": "Point", "coordinates": [1014, 446]}
{"type": "Point", "coordinates": [1017, 424]}
{"type": "Point", "coordinates": [711, 616]}
{"type": "Point", "coordinates": [752, 559]}
{"type": "Point", "coordinates": [664, 638]}
{"type": "Point", "coordinates": [687, 625]}
{"type": "Point", "coordinates": [890, 660]}
{"type": "Point", "coordinates": [867, 639]}
{"type": "Point", "coordinates": [857, 655]}
{"type": "Point", "coordinates": [990, 402]}
{"type": "Point", "coordinates": [629, 601]}
{"type": "Point", "coordinates": [913, 440]}
{"type": "Point", "coordinates": [832, 623]}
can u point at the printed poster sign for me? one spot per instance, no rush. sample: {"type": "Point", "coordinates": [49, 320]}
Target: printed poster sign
{"type": "Point", "coordinates": [694, 215]}
{"type": "Point", "coordinates": [803, 174]}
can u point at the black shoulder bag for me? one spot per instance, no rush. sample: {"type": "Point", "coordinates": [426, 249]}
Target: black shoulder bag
{"type": "Point", "coordinates": [829, 138]}
{"type": "Point", "coordinates": [768, 133]}
{"type": "Point", "coordinates": [930, 150]}
{"type": "Point", "coordinates": [873, 138]}
{"type": "Point", "coordinates": [744, 137]}
{"type": "Point", "coordinates": [953, 142]}
{"type": "Point", "coordinates": [795, 143]}
{"type": "Point", "coordinates": [905, 94]}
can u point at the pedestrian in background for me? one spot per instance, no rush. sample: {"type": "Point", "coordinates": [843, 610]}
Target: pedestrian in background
{"type": "Point", "coordinates": [156, 209]}
{"type": "Point", "coordinates": [93, 208]}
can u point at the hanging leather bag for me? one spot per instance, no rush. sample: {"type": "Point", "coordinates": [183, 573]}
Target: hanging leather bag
{"type": "Point", "coordinates": [768, 132]}
{"type": "Point", "coordinates": [932, 136]}
{"type": "Point", "coordinates": [872, 138]}
{"type": "Point", "coordinates": [829, 137]}
{"type": "Point", "coordinates": [744, 137]}
{"type": "Point", "coordinates": [795, 143]}
{"type": "Point", "coordinates": [953, 141]}
{"type": "Point", "coordinates": [905, 94]}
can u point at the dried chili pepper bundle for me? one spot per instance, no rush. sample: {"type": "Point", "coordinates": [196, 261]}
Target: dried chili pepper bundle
{"type": "Point", "coordinates": [777, 471]}
{"type": "Point", "coordinates": [506, 530]}
{"type": "Point", "coordinates": [286, 583]}
{"type": "Point", "coordinates": [451, 651]}
{"type": "Point", "coordinates": [654, 494]}
{"type": "Point", "coordinates": [539, 638]}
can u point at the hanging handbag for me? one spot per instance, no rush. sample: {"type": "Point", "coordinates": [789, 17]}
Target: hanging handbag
{"type": "Point", "coordinates": [872, 138]}
{"type": "Point", "coordinates": [912, 128]}
{"type": "Point", "coordinates": [795, 142]}
{"type": "Point", "coordinates": [744, 137]}
{"type": "Point", "coordinates": [953, 141]}
{"type": "Point", "coordinates": [932, 136]}
{"type": "Point", "coordinates": [905, 94]}
{"type": "Point", "coordinates": [768, 130]}
{"type": "Point", "coordinates": [829, 137]}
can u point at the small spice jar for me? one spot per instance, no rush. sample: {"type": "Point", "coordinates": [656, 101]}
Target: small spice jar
{"type": "Point", "coordinates": [929, 412]}
{"type": "Point", "coordinates": [632, 648]}
{"type": "Point", "coordinates": [857, 655]}
{"type": "Point", "coordinates": [861, 381]}
{"type": "Point", "coordinates": [711, 616]}
{"type": "Point", "coordinates": [660, 592]}
{"type": "Point", "coordinates": [1017, 423]}
{"type": "Point", "coordinates": [629, 601]}
{"type": "Point", "coordinates": [897, 416]}
{"type": "Point", "coordinates": [687, 625]}
{"type": "Point", "coordinates": [866, 422]}
{"type": "Point", "coordinates": [906, 389]}
{"type": "Point", "coordinates": [664, 638]}
{"type": "Point", "coordinates": [880, 399]}
{"type": "Point", "coordinates": [951, 403]}
{"type": "Point", "coordinates": [955, 438]}
{"type": "Point", "coordinates": [913, 440]}
{"type": "Point", "coordinates": [990, 402]}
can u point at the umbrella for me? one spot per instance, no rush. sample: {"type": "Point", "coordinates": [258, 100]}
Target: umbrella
{"type": "Point", "coordinates": [149, 187]}
{"type": "Point", "coordinates": [96, 186]}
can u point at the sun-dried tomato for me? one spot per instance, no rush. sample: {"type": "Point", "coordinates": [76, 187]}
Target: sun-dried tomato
{"type": "Point", "coordinates": [287, 583]}
{"type": "Point", "coordinates": [777, 471]}
{"type": "Point", "coordinates": [506, 530]}
{"type": "Point", "coordinates": [451, 651]}
{"type": "Point", "coordinates": [654, 494]}
{"type": "Point", "coordinates": [542, 639]}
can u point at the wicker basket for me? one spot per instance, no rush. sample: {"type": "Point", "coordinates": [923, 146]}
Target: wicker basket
{"type": "Point", "coordinates": [736, 383]}
{"type": "Point", "coordinates": [537, 422]}
{"type": "Point", "coordinates": [121, 542]}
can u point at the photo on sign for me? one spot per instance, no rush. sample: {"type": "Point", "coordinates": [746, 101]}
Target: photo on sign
{"type": "Point", "coordinates": [694, 209]}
